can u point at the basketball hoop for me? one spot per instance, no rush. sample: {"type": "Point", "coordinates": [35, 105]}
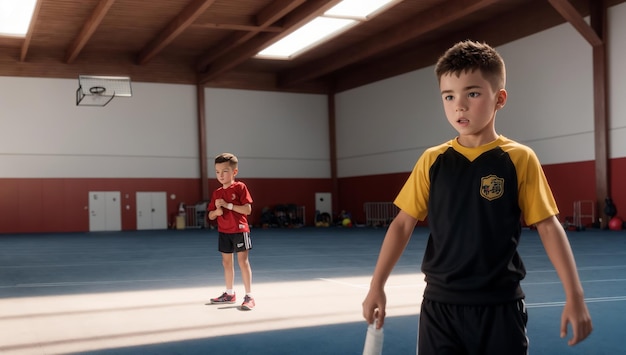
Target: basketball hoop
{"type": "Point", "coordinates": [97, 90]}
{"type": "Point", "coordinates": [100, 90]}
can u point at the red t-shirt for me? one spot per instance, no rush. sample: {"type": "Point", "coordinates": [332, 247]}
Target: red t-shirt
{"type": "Point", "coordinates": [232, 222]}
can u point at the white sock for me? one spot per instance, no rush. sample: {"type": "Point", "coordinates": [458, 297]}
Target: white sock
{"type": "Point", "coordinates": [249, 294]}
{"type": "Point", "coordinates": [230, 292]}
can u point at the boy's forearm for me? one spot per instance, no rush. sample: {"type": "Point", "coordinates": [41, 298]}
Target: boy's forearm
{"type": "Point", "coordinates": [242, 209]}
{"type": "Point", "coordinates": [560, 253]}
{"type": "Point", "coordinates": [387, 259]}
{"type": "Point", "coordinates": [396, 239]}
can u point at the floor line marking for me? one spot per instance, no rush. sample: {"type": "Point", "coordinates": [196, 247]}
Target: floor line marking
{"type": "Point", "coordinates": [366, 286]}
{"type": "Point", "coordinates": [587, 300]}
{"type": "Point", "coordinates": [80, 283]}
{"type": "Point", "coordinates": [583, 281]}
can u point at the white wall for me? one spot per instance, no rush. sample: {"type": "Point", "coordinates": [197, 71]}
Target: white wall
{"type": "Point", "coordinates": [550, 86]}
{"type": "Point", "coordinates": [384, 127]}
{"type": "Point", "coordinates": [44, 134]}
{"type": "Point", "coordinates": [274, 135]}
{"type": "Point", "coordinates": [617, 84]}
{"type": "Point", "coordinates": [381, 128]}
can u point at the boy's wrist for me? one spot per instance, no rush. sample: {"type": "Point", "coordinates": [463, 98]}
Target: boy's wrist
{"type": "Point", "coordinates": [230, 206]}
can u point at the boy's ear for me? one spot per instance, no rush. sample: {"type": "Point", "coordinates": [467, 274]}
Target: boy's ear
{"type": "Point", "coordinates": [501, 100]}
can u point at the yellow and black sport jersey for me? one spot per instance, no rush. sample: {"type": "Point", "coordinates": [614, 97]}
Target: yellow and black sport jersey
{"type": "Point", "coordinates": [474, 199]}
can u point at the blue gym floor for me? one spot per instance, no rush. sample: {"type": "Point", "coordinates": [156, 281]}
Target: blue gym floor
{"type": "Point", "coordinates": [146, 293]}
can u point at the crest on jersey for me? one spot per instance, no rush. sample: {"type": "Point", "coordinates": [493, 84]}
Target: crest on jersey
{"type": "Point", "coordinates": [491, 187]}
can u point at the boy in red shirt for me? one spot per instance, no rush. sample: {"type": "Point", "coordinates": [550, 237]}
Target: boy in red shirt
{"type": "Point", "coordinates": [230, 205]}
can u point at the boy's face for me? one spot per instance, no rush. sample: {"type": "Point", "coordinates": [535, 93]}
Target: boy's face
{"type": "Point", "coordinates": [470, 104]}
{"type": "Point", "coordinates": [225, 173]}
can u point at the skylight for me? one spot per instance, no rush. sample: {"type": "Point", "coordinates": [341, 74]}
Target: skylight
{"type": "Point", "coordinates": [334, 21]}
{"type": "Point", "coordinates": [358, 9]}
{"type": "Point", "coordinates": [15, 16]}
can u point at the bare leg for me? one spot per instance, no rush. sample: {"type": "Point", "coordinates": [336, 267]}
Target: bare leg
{"type": "Point", "coordinates": [246, 270]}
{"type": "Point", "coordinates": [229, 270]}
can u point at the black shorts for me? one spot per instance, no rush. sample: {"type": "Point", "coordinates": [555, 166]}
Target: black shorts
{"type": "Point", "coordinates": [446, 329]}
{"type": "Point", "coordinates": [230, 243]}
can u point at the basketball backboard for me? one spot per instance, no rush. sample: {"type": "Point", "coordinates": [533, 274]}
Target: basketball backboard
{"type": "Point", "coordinates": [100, 90]}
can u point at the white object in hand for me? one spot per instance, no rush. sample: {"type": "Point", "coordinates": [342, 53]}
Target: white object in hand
{"type": "Point", "coordinates": [373, 340]}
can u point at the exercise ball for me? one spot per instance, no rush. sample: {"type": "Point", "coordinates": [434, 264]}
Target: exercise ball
{"type": "Point", "coordinates": [615, 224]}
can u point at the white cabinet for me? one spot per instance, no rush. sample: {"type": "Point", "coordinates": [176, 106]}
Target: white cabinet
{"type": "Point", "coordinates": [105, 211]}
{"type": "Point", "coordinates": [151, 210]}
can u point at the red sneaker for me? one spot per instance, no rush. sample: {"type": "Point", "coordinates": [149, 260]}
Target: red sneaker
{"type": "Point", "coordinates": [248, 303]}
{"type": "Point", "coordinates": [224, 298]}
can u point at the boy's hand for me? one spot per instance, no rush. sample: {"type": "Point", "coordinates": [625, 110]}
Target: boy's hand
{"type": "Point", "coordinates": [374, 307]}
{"type": "Point", "coordinates": [576, 314]}
{"type": "Point", "coordinates": [219, 211]}
{"type": "Point", "coordinates": [220, 202]}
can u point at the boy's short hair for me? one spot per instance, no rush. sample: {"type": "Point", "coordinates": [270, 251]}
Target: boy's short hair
{"type": "Point", "coordinates": [227, 157]}
{"type": "Point", "coordinates": [468, 56]}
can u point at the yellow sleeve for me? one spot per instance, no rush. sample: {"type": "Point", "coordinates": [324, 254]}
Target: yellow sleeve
{"type": "Point", "coordinates": [536, 200]}
{"type": "Point", "coordinates": [413, 197]}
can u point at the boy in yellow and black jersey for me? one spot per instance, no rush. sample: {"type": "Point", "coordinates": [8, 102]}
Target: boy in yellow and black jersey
{"type": "Point", "coordinates": [475, 189]}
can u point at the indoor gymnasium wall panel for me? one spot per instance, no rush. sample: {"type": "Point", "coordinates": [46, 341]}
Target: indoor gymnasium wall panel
{"type": "Point", "coordinates": [152, 134]}
{"type": "Point", "coordinates": [280, 135]}
{"type": "Point", "coordinates": [389, 162]}
{"type": "Point", "coordinates": [617, 144]}
{"type": "Point", "coordinates": [383, 127]}
{"type": "Point", "coordinates": [9, 200]}
{"type": "Point", "coordinates": [281, 168]}
{"type": "Point", "coordinates": [564, 149]}
{"type": "Point", "coordinates": [617, 84]}
{"type": "Point", "coordinates": [571, 182]}
{"type": "Point", "coordinates": [79, 165]}
{"type": "Point", "coordinates": [550, 102]}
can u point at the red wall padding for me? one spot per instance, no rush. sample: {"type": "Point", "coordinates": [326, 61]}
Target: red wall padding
{"type": "Point", "coordinates": [61, 205]}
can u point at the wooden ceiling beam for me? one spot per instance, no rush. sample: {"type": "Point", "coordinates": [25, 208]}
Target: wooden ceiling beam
{"type": "Point", "coordinates": [180, 23]}
{"type": "Point", "coordinates": [298, 17]}
{"type": "Point", "coordinates": [569, 12]}
{"type": "Point", "coordinates": [431, 19]}
{"type": "Point", "coordinates": [89, 28]}
{"type": "Point", "coordinates": [276, 10]}
{"type": "Point", "coordinates": [264, 19]}
{"type": "Point", "coordinates": [507, 26]}
{"type": "Point", "coordinates": [29, 34]}
{"type": "Point", "coordinates": [235, 27]}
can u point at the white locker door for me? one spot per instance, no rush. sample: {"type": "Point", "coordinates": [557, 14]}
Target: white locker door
{"type": "Point", "coordinates": [113, 211]}
{"type": "Point", "coordinates": [151, 210]}
{"type": "Point", "coordinates": [144, 208]}
{"type": "Point", "coordinates": [159, 210]}
{"type": "Point", "coordinates": [97, 211]}
{"type": "Point", "coordinates": [105, 211]}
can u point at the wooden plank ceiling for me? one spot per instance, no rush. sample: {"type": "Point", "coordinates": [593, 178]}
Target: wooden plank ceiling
{"type": "Point", "coordinates": [213, 42]}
